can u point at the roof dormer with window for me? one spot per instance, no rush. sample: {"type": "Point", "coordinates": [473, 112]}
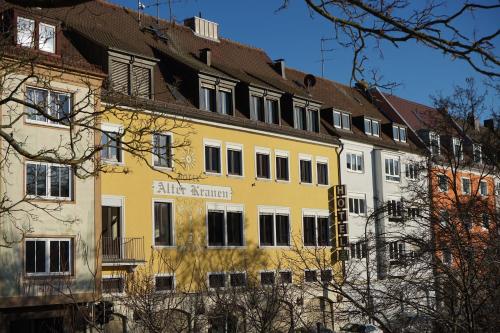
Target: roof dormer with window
{"type": "Point", "coordinates": [399, 133]}
{"type": "Point", "coordinates": [216, 94]}
{"type": "Point", "coordinates": [341, 120]}
{"type": "Point", "coordinates": [306, 115]}
{"type": "Point", "coordinates": [265, 105]}
{"type": "Point", "coordinates": [372, 127]}
{"type": "Point", "coordinates": [35, 33]}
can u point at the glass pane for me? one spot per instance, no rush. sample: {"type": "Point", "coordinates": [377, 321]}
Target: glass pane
{"type": "Point", "coordinates": [263, 166]}
{"type": "Point", "coordinates": [395, 133]}
{"type": "Point", "coordinates": [65, 258]}
{"type": "Point", "coordinates": [346, 123]}
{"type": "Point", "coordinates": [47, 40]}
{"type": "Point", "coordinates": [266, 229]}
{"type": "Point", "coordinates": [40, 256]}
{"type": "Point", "coordinates": [235, 228]}
{"type": "Point", "coordinates": [41, 180]}
{"type": "Point", "coordinates": [226, 102]}
{"type": "Point", "coordinates": [314, 120]}
{"type": "Point", "coordinates": [30, 256]}
{"type": "Point", "coordinates": [273, 112]}
{"type": "Point", "coordinates": [164, 283]}
{"type": "Point", "coordinates": [54, 181]}
{"type": "Point", "coordinates": [234, 162]}
{"type": "Point", "coordinates": [375, 128]}
{"type": "Point", "coordinates": [402, 134]}
{"type": "Point", "coordinates": [54, 256]}
{"type": "Point", "coordinates": [323, 231]}
{"type": "Point", "coordinates": [282, 230]}
{"type": "Point", "coordinates": [163, 223]}
{"type": "Point", "coordinates": [305, 171]}
{"type": "Point", "coordinates": [336, 119]}
{"type": "Point", "coordinates": [216, 228]}
{"type": "Point", "coordinates": [309, 231]}
{"type": "Point", "coordinates": [368, 128]}
{"type": "Point", "coordinates": [216, 280]}
{"type": "Point", "coordinates": [25, 32]}
{"type": "Point", "coordinates": [267, 278]}
{"type": "Point", "coordinates": [31, 179]}
{"type": "Point", "coordinates": [282, 168]}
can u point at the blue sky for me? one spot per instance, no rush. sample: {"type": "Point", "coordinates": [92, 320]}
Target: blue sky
{"type": "Point", "coordinates": [294, 35]}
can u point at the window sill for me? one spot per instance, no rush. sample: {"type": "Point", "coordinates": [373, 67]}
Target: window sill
{"type": "Point", "coordinates": [45, 124]}
{"type": "Point", "coordinates": [166, 247]}
{"type": "Point", "coordinates": [323, 185]}
{"type": "Point", "coordinates": [45, 276]}
{"type": "Point", "coordinates": [228, 247]}
{"type": "Point", "coordinates": [276, 247]}
{"type": "Point", "coordinates": [263, 179]}
{"type": "Point", "coordinates": [216, 174]}
{"type": "Point", "coordinates": [235, 176]}
{"type": "Point", "coordinates": [283, 181]}
{"type": "Point", "coordinates": [51, 199]}
{"type": "Point", "coordinates": [163, 168]}
{"type": "Point", "coordinates": [355, 171]}
{"type": "Point", "coordinates": [113, 162]}
{"type": "Point", "coordinates": [304, 183]}
{"type": "Point", "coordinates": [393, 181]}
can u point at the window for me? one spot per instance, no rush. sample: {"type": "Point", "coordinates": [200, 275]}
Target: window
{"type": "Point", "coordinates": [457, 149]}
{"type": "Point", "coordinates": [396, 250]}
{"type": "Point", "coordinates": [46, 256]}
{"type": "Point", "coordinates": [342, 120]}
{"type": "Point", "coordinates": [48, 181]}
{"type": "Point", "coordinates": [207, 99]}
{"type": "Point", "coordinates": [258, 110]}
{"type": "Point", "coordinates": [216, 280]}
{"type": "Point", "coordinates": [274, 228]}
{"type": "Point", "coordinates": [483, 187]}
{"type": "Point", "coordinates": [47, 38]}
{"type": "Point", "coordinates": [265, 109]}
{"type": "Point", "coordinates": [131, 75]}
{"type": "Point", "coordinates": [466, 189]}
{"type": "Point", "coordinates": [357, 206]}
{"type": "Point", "coordinates": [212, 158]}
{"type": "Point", "coordinates": [225, 225]}
{"type": "Point", "coordinates": [322, 172]}
{"type": "Point", "coordinates": [162, 150]}
{"type": "Point", "coordinates": [477, 152]}
{"type": "Point", "coordinates": [412, 171]}
{"type": "Point", "coordinates": [372, 127]}
{"type": "Point", "coordinates": [306, 119]}
{"type": "Point", "coordinates": [305, 171]}
{"type": "Point", "coordinates": [413, 212]}
{"type": "Point", "coordinates": [234, 160]}
{"type": "Point", "coordinates": [354, 162]}
{"type": "Point", "coordinates": [164, 283]}
{"type": "Point", "coordinates": [486, 220]}
{"type": "Point", "coordinates": [56, 104]}
{"type": "Point", "coordinates": [310, 276]}
{"type": "Point", "coordinates": [443, 183]}
{"type": "Point", "coordinates": [300, 118]}
{"type": "Point", "coordinates": [25, 32]}
{"type": "Point", "coordinates": [273, 112]}
{"type": "Point", "coordinates": [313, 120]}
{"type": "Point", "coordinates": [226, 102]}
{"type": "Point", "coordinates": [399, 133]}
{"type": "Point", "coordinates": [394, 210]}
{"type": "Point", "coordinates": [237, 279]}
{"type": "Point", "coordinates": [111, 146]}
{"type": "Point", "coordinates": [316, 229]}
{"type": "Point", "coordinates": [267, 278]}
{"type": "Point", "coordinates": [358, 250]}
{"type": "Point", "coordinates": [282, 171]}
{"type": "Point", "coordinates": [263, 164]}
{"type": "Point", "coordinates": [112, 285]}
{"type": "Point", "coordinates": [434, 143]}
{"type": "Point", "coordinates": [285, 277]}
{"type": "Point", "coordinates": [163, 225]}
{"type": "Point", "coordinates": [392, 170]}
{"type": "Point", "coordinates": [326, 275]}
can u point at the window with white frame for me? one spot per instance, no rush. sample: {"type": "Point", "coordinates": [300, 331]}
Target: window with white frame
{"type": "Point", "coordinates": [316, 228]}
{"type": "Point", "coordinates": [263, 163]}
{"type": "Point", "coordinates": [212, 157]}
{"type": "Point", "coordinates": [234, 160]}
{"type": "Point", "coordinates": [305, 169]}
{"type": "Point", "coordinates": [258, 108]}
{"type": "Point", "coordinates": [265, 109]}
{"type": "Point", "coordinates": [225, 101]}
{"type": "Point", "coordinates": [412, 171]}
{"type": "Point", "coordinates": [163, 223]}
{"type": "Point", "coordinates": [207, 98]}
{"type": "Point", "coordinates": [357, 205]}
{"type": "Point", "coordinates": [282, 166]}
{"type": "Point", "coordinates": [47, 38]}
{"type": "Point", "coordinates": [164, 283]}
{"type": "Point", "coordinates": [342, 120]}
{"type": "Point", "coordinates": [359, 250]}
{"type": "Point", "coordinates": [354, 161]}
{"type": "Point", "coordinates": [399, 133]}
{"type": "Point", "coordinates": [48, 256]}
{"type": "Point", "coordinates": [466, 186]}
{"type": "Point", "coordinates": [396, 250]}
{"type": "Point", "coordinates": [56, 104]}
{"type": "Point", "coordinates": [162, 150]}
{"type": "Point", "coordinates": [225, 225]}
{"type": "Point", "coordinates": [392, 169]}
{"type": "Point", "coordinates": [48, 181]}
{"type": "Point", "coordinates": [483, 187]}
{"type": "Point", "coordinates": [274, 227]}
{"type": "Point", "coordinates": [25, 32]}
{"type": "Point", "coordinates": [434, 143]}
{"type": "Point", "coordinates": [322, 171]}
{"type": "Point", "coordinates": [443, 183]}
{"type": "Point", "coordinates": [395, 209]}
{"type": "Point", "coordinates": [457, 148]}
{"type": "Point", "coordinates": [477, 153]}
{"type": "Point", "coordinates": [372, 127]}
{"type": "Point", "coordinates": [272, 111]}
{"type": "Point", "coordinates": [413, 212]}
{"type": "Point", "coordinates": [306, 118]}
{"type": "Point", "coordinates": [111, 146]}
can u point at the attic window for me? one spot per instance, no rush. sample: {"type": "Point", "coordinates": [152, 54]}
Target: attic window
{"type": "Point", "coordinates": [399, 133]}
{"type": "Point", "coordinates": [372, 127]}
{"type": "Point", "coordinates": [264, 106]}
{"type": "Point", "coordinates": [306, 118]}
{"type": "Point", "coordinates": [216, 96]}
{"type": "Point", "coordinates": [131, 76]}
{"type": "Point", "coordinates": [26, 34]}
{"type": "Point", "coordinates": [342, 120]}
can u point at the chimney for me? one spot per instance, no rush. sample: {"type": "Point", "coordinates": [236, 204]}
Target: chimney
{"type": "Point", "coordinates": [490, 124]}
{"type": "Point", "coordinates": [203, 28]}
{"type": "Point", "coordinates": [473, 121]}
{"type": "Point", "coordinates": [279, 66]}
{"type": "Point", "coordinates": [206, 56]}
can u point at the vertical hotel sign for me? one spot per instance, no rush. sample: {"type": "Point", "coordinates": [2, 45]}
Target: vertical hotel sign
{"type": "Point", "coordinates": [338, 204]}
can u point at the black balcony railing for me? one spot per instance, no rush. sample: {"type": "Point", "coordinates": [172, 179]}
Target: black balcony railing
{"type": "Point", "coordinates": [121, 250]}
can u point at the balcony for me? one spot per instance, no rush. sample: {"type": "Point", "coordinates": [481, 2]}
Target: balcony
{"type": "Point", "coordinates": [122, 251]}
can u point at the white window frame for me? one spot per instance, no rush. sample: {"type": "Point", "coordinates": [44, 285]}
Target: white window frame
{"type": "Point", "coordinates": [341, 115]}
{"type": "Point", "coordinates": [118, 129]}
{"type": "Point", "coordinates": [481, 188]}
{"type": "Point", "coordinates": [171, 167]}
{"type": "Point", "coordinates": [264, 151]}
{"type": "Point", "coordinates": [47, 241]}
{"type": "Point", "coordinates": [358, 247]}
{"type": "Point", "coordinates": [369, 131]}
{"type": "Point", "coordinates": [174, 282]}
{"type": "Point", "coordinates": [389, 177]}
{"type": "Point", "coordinates": [432, 136]}
{"type": "Point", "coordinates": [214, 144]}
{"type": "Point", "coordinates": [275, 210]}
{"type": "Point", "coordinates": [356, 154]}
{"type": "Point", "coordinates": [48, 182]}
{"type": "Point", "coordinates": [323, 160]}
{"type": "Point", "coordinates": [48, 122]}
{"type": "Point", "coordinates": [232, 207]}
{"type": "Point", "coordinates": [32, 23]}
{"type": "Point", "coordinates": [395, 217]}
{"type": "Point", "coordinates": [235, 147]}
{"type": "Point", "coordinates": [356, 196]}
{"type": "Point", "coordinates": [174, 243]}
{"type": "Point", "coordinates": [282, 154]}
{"type": "Point", "coordinates": [408, 171]}
{"type": "Point", "coordinates": [399, 129]}
{"type": "Point", "coordinates": [305, 157]}
{"type": "Point", "coordinates": [43, 47]}
{"type": "Point", "coordinates": [462, 185]}
{"type": "Point", "coordinates": [316, 213]}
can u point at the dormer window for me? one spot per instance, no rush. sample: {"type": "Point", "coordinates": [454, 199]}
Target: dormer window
{"type": "Point", "coordinates": [207, 98]}
{"type": "Point", "coordinates": [306, 119]}
{"type": "Point", "coordinates": [27, 34]}
{"type": "Point", "coordinates": [264, 106]}
{"type": "Point", "coordinates": [399, 133]}
{"type": "Point", "coordinates": [342, 120]}
{"type": "Point", "coordinates": [216, 95]}
{"type": "Point", "coordinates": [434, 144]}
{"type": "Point", "coordinates": [131, 75]}
{"type": "Point", "coordinates": [372, 127]}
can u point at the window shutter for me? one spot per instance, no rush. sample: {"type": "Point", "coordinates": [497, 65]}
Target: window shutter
{"type": "Point", "coordinates": [120, 76]}
{"type": "Point", "coordinates": [142, 81]}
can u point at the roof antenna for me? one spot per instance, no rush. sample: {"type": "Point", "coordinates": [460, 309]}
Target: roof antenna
{"type": "Point", "coordinates": [199, 14]}
{"type": "Point", "coordinates": [323, 50]}
{"type": "Point", "coordinates": [140, 9]}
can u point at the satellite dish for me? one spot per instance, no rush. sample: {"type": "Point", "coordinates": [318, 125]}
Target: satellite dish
{"type": "Point", "coordinates": [309, 81]}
